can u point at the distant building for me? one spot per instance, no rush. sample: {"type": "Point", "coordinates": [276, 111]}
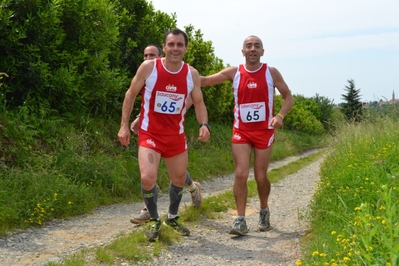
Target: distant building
{"type": "Point", "coordinates": [393, 100]}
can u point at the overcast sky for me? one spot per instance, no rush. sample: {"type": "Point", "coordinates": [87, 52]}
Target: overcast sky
{"type": "Point", "coordinates": [317, 45]}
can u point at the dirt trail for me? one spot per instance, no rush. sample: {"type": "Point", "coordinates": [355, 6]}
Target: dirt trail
{"type": "Point", "coordinates": [208, 244]}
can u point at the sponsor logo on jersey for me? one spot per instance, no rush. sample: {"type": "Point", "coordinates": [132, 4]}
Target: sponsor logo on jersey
{"type": "Point", "coordinates": [252, 85]}
{"type": "Point", "coordinates": [172, 96]}
{"type": "Point", "coordinates": [252, 105]}
{"type": "Point", "coordinates": [171, 88]}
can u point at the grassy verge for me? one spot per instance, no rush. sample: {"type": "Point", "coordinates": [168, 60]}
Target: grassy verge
{"type": "Point", "coordinates": [52, 168]}
{"type": "Point", "coordinates": [134, 247]}
{"type": "Point", "coordinates": [354, 212]}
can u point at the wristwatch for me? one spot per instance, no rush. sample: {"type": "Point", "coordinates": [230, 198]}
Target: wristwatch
{"type": "Point", "coordinates": [207, 126]}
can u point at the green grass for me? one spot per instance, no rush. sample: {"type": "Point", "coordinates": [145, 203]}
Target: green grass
{"type": "Point", "coordinates": [355, 218]}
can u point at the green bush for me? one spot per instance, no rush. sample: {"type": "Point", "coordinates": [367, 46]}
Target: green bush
{"type": "Point", "coordinates": [303, 120]}
{"type": "Point", "coordinates": [56, 54]}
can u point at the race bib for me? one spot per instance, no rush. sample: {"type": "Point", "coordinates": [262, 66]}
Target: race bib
{"type": "Point", "coordinates": [253, 112]}
{"type": "Point", "coordinates": [168, 103]}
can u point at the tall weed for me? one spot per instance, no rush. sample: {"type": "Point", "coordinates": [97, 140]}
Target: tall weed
{"type": "Point", "coordinates": [354, 215]}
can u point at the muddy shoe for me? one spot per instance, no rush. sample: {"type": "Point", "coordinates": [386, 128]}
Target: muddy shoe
{"type": "Point", "coordinates": [264, 220]}
{"type": "Point", "coordinates": [239, 227]}
{"type": "Point", "coordinates": [153, 229]}
{"type": "Point", "coordinates": [177, 226]}
{"type": "Point", "coordinates": [196, 195]}
{"type": "Point", "coordinates": [144, 217]}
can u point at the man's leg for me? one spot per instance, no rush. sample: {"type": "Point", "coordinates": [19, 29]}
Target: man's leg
{"type": "Point", "coordinates": [177, 171]}
{"type": "Point", "coordinates": [241, 156]}
{"type": "Point", "coordinates": [261, 164]}
{"type": "Point", "coordinates": [189, 181]}
{"type": "Point", "coordinates": [195, 189]}
{"type": "Point", "coordinates": [149, 163]}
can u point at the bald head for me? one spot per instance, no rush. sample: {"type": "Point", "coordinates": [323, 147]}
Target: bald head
{"type": "Point", "coordinates": [253, 40]}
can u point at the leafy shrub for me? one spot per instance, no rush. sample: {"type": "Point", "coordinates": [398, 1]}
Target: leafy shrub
{"type": "Point", "coordinates": [57, 55]}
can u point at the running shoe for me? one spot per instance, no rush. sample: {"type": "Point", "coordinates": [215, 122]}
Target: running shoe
{"type": "Point", "coordinates": [239, 227]}
{"type": "Point", "coordinates": [153, 229]}
{"type": "Point", "coordinates": [264, 220]}
{"type": "Point", "coordinates": [196, 195]}
{"type": "Point", "coordinates": [177, 226]}
{"type": "Point", "coordinates": [144, 217]}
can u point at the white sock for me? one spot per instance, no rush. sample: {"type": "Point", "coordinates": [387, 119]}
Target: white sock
{"type": "Point", "coordinates": [172, 216]}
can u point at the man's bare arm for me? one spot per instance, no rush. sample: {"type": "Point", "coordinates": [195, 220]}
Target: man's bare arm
{"type": "Point", "coordinates": [283, 89]}
{"type": "Point", "coordinates": [135, 87]}
{"type": "Point", "coordinates": [226, 74]}
{"type": "Point", "coordinates": [200, 108]}
{"type": "Point", "coordinates": [285, 92]}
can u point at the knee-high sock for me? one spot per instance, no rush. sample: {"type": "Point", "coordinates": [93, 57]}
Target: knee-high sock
{"type": "Point", "coordinates": [175, 195]}
{"type": "Point", "coordinates": [150, 198]}
{"type": "Point", "coordinates": [189, 181]}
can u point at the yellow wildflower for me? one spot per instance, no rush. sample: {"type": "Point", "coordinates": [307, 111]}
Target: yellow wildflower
{"type": "Point", "coordinates": [315, 253]}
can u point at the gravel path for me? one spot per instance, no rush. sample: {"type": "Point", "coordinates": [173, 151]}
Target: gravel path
{"type": "Point", "coordinates": [209, 242]}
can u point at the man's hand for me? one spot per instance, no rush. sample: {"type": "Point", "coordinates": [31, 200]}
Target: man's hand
{"type": "Point", "coordinates": [134, 127]}
{"type": "Point", "coordinates": [204, 134]}
{"type": "Point", "coordinates": [124, 135]}
{"type": "Point", "coordinates": [276, 122]}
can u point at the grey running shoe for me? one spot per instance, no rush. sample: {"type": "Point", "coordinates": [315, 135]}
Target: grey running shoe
{"type": "Point", "coordinates": [153, 229]}
{"type": "Point", "coordinates": [144, 217]}
{"type": "Point", "coordinates": [196, 195]}
{"type": "Point", "coordinates": [177, 226]}
{"type": "Point", "coordinates": [239, 227]}
{"type": "Point", "coordinates": [264, 220]}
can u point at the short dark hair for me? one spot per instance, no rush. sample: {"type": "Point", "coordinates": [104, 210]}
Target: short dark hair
{"type": "Point", "coordinates": [158, 48]}
{"type": "Point", "coordinates": [176, 32]}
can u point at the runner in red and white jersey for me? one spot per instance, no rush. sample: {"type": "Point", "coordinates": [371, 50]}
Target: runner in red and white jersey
{"type": "Point", "coordinates": [165, 96]}
{"type": "Point", "coordinates": [151, 52]}
{"type": "Point", "coordinates": [254, 124]}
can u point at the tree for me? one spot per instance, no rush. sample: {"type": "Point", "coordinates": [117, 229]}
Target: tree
{"type": "Point", "coordinates": [304, 115]}
{"type": "Point", "coordinates": [326, 108]}
{"type": "Point", "coordinates": [57, 55]}
{"type": "Point", "coordinates": [201, 55]}
{"type": "Point", "coordinates": [352, 106]}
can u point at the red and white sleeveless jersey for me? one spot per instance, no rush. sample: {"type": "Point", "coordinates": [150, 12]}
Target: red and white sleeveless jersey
{"type": "Point", "coordinates": [253, 98]}
{"type": "Point", "coordinates": [164, 95]}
